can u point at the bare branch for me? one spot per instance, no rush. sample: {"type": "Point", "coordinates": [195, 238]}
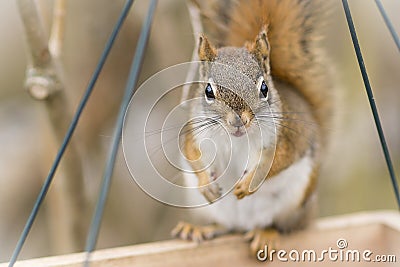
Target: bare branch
{"type": "Point", "coordinates": [194, 13]}
{"type": "Point", "coordinates": [43, 83]}
{"type": "Point", "coordinates": [41, 80]}
{"type": "Point", "coordinates": [57, 30]}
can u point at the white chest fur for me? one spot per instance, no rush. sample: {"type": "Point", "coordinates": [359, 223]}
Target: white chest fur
{"type": "Point", "coordinates": [278, 195]}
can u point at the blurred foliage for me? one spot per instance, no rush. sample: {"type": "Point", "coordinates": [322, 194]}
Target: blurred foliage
{"type": "Point", "coordinates": [354, 176]}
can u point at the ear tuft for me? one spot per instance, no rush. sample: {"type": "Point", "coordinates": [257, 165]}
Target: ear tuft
{"type": "Point", "coordinates": [260, 47]}
{"type": "Point", "coordinates": [207, 52]}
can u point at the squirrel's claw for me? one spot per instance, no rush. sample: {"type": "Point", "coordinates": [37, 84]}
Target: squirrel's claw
{"type": "Point", "coordinates": [259, 238]}
{"type": "Point", "coordinates": [187, 231]}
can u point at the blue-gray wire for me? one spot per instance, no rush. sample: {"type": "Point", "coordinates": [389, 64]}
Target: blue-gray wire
{"type": "Point", "coordinates": [388, 23]}
{"type": "Point", "coordinates": [371, 99]}
{"type": "Point", "coordinates": [129, 91]}
{"type": "Point", "coordinates": [69, 133]}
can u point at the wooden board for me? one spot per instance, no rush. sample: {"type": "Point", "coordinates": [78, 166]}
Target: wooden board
{"type": "Point", "coordinates": [378, 232]}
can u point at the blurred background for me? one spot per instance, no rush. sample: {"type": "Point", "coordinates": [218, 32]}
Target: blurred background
{"type": "Point", "coordinates": [354, 177]}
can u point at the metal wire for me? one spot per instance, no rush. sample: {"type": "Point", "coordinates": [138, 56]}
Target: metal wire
{"type": "Point", "coordinates": [371, 99]}
{"type": "Point", "coordinates": [129, 91]}
{"type": "Point", "coordinates": [69, 133]}
{"type": "Point", "coordinates": [388, 23]}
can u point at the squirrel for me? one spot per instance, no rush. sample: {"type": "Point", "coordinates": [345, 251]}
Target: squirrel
{"type": "Point", "coordinates": [275, 44]}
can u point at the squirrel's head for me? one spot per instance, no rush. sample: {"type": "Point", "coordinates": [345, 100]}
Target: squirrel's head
{"type": "Point", "coordinates": [239, 85]}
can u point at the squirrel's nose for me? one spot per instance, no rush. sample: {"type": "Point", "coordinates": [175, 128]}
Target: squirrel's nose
{"type": "Point", "coordinates": [235, 122]}
{"type": "Point", "coordinates": [238, 121]}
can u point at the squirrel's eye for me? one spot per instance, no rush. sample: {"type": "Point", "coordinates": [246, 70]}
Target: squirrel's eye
{"type": "Point", "coordinates": [209, 93]}
{"type": "Point", "coordinates": [263, 87]}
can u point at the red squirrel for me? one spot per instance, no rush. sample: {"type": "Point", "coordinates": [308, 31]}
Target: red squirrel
{"type": "Point", "coordinates": [275, 44]}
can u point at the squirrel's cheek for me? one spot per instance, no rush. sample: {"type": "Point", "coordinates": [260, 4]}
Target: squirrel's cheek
{"type": "Point", "coordinates": [246, 118]}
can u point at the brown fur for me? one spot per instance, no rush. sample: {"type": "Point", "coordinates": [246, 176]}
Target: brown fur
{"type": "Point", "coordinates": [293, 32]}
{"type": "Point", "coordinates": [281, 36]}
{"type": "Point", "coordinates": [193, 154]}
{"type": "Point", "coordinates": [260, 47]}
{"type": "Point", "coordinates": [286, 34]}
{"type": "Point", "coordinates": [206, 51]}
{"type": "Point", "coordinates": [312, 185]}
{"type": "Point", "coordinates": [298, 131]}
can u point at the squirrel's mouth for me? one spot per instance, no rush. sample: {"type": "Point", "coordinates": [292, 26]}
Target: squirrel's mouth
{"type": "Point", "coordinates": [238, 133]}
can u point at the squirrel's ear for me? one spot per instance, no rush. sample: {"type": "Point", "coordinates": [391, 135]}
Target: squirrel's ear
{"type": "Point", "coordinates": [207, 52]}
{"type": "Point", "coordinates": [260, 47]}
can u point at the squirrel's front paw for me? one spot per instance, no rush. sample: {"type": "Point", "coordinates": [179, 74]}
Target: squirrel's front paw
{"type": "Point", "coordinates": [211, 192]}
{"type": "Point", "coordinates": [242, 188]}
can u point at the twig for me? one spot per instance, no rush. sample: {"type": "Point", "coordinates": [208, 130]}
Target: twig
{"type": "Point", "coordinates": [194, 13]}
{"type": "Point", "coordinates": [41, 80]}
{"type": "Point", "coordinates": [57, 29]}
{"type": "Point", "coordinates": [43, 83]}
